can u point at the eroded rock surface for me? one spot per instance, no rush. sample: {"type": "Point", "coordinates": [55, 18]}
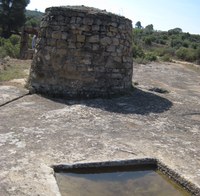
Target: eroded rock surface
{"type": "Point", "coordinates": [36, 132]}
{"type": "Point", "coordinates": [9, 93]}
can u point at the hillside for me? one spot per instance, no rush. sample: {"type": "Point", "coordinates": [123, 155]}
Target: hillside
{"type": "Point", "coordinates": [33, 18]}
{"type": "Point", "coordinates": [150, 45]}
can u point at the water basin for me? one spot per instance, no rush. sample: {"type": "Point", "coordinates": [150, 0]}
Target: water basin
{"type": "Point", "coordinates": [117, 181]}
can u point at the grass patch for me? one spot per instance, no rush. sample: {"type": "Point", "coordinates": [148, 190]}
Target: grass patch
{"type": "Point", "coordinates": [14, 72]}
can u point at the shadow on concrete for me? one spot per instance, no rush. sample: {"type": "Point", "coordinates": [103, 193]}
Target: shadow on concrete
{"type": "Point", "coordinates": [137, 102]}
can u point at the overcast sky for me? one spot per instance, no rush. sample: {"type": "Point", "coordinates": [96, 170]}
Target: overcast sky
{"type": "Point", "coordinates": [163, 14]}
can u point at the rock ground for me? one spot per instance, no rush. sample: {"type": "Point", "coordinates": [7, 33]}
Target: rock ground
{"type": "Point", "coordinates": [37, 132]}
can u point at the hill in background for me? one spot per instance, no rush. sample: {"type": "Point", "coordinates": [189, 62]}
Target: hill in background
{"type": "Point", "coordinates": [151, 45]}
{"type": "Point", "coordinates": [33, 18]}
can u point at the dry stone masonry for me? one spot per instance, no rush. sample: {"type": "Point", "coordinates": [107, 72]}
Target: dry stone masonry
{"type": "Point", "coordinates": [82, 52]}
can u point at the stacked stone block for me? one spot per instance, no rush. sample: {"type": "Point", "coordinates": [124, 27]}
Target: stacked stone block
{"type": "Point", "coordinates": [82, 52]}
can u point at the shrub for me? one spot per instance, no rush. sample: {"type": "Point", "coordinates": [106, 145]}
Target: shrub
{"type": "Point", "coordinates": [197, 54]}
{"type": "Point", "coordinates": [194, 45]}
{"type": "Point", "coordinates": [187, 54]}
{"type": "Point", "coordinates": [10, 47]}
{"type": "Point", "coordinates": [147, 41]}
{"type": "Point", "coordinates": [186, 44]}
{"type": "Point", "coordinates": [176, 43]}
{"type": "Point", "coordinates": [150, 56]}
{"type": "Point", "coordinates": [2, 52]}
{"type": "Point", "coordinates": [140, 60]}
{"type": "Point", "coordinates": [137, 51]}
{"type": "Point", "coordinates": [166, 58]}
{"type": "Point", "coordinates": [15, 39]}
{"type": "Point", "coordinates": [163, 42]}
{"type": "Point", "coordinates": [165, 51]}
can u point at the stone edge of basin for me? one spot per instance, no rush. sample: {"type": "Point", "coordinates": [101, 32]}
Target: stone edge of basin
{"type": "Point", "coordinates": [150, 162]}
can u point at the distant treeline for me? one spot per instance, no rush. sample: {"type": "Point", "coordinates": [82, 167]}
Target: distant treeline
{"type": "Point", "coordinates": [151, 45]}
{"type": "Point", "coordinates": [33, 18]}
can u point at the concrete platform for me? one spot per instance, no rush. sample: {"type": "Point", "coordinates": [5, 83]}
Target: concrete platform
{"type": "Point", "coordinates": [37, 132]}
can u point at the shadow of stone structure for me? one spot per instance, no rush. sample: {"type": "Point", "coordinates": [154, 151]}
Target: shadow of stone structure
{"type": "Point", "coordinates": [137, 102]}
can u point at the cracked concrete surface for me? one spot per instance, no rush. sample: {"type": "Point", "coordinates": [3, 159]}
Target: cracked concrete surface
{"type": "Point", "coordinates": [37, 132]}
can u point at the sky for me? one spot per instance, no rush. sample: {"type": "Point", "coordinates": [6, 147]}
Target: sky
{"type": "Point", "coordinates": [163, 14]}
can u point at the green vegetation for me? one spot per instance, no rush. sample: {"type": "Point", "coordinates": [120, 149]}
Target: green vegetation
{"type": "Point", "coordinates": [150, 45]}
{"type": "Point", "coordinates": [14, 72]}
{"type": "Point", "coordinates": [33, 18]}
{"type": "Point", "coordinates": [12, 16]}
{"type": "Point", "coordinates": [10, 47]}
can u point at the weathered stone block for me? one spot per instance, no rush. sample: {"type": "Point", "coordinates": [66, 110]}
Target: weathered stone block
{"type": "Point", "coordinates": [64, 35]}
{"type": "Point", "coordinates": [111, 48]}
{"type": "Point", "coordinates": [71, 45]}
{"type": "Point", "coordinates": [61, 44]}
{"type": "Point", "coordinates": [88, 21]}
{"type": "Point", "coordinates": [95, 47]}
{"type": "Point", "coordinates": [56, 35]}
{"type": "Point", "coordinates": [86, 61]}
{"type": "Point", "coordinates": [85, 28]}
{"type": "Point", "coordinates": [127, 59]}
{"type": "Point", "coordinates": [79, 45]}
{"type": "Point", "coordinates": [114, 24]}
{"type": "Point", "coordinates": [115, 41]}
{"type": "Point", "coordinates": [95, 27]}
{"type": "Point", "coordinates": [106, 41]}
{"type": "Point", "coordinates": [79, 20]}
{"type": "Point", "coordinates": [61, 52]}
{"type": "Point", "coordinates": [73, 20]}
{"type": "Point", "coordinates": [113, 29]}
{"type": "Point", "coordinates": [118, 59]}
{"type": "Point", "coordinates": [80, 38]}
{"type": "Point", "coordinates": [97, 21]}
{"type": "Point", "coordinates": [51, 42]}
{"type": "Point", "coordinates": [93, 39]}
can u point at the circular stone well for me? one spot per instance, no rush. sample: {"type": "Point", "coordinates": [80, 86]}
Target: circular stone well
{"type": "Point", "coordinates": [82, 52]}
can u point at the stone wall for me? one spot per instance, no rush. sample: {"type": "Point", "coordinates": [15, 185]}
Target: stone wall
{"type": "Point", "coordinates": [82, 52]}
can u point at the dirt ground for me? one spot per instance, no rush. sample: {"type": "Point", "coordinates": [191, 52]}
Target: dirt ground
{"type": "Point", "coordinates": [10, 63]}
{"type": "Point", "coordinates": [159, 119]}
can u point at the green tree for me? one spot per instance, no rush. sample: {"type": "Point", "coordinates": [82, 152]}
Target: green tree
{"type": "Point", "coordinates": [32, 22]}
{"type": "Point", "coordinates": [176, 42]}
{"type": "Point", "coordinates": [12, 16]}
{"type": "Point", "coordinates": [33, 18]}
{"type": "Point", "coordinates": [149, 28]}
{"type": "Point", "coordinates": [175, 31]}
{"type": "Point", "coordinates": [138, 25]}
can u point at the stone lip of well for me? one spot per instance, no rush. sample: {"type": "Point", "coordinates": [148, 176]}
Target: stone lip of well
{"type": "Point", "coordinates": [82, 52]}
{"type": "Point", "coordinates": [135, 164]}
{"type": "Point", "coordinates": [85, 9]}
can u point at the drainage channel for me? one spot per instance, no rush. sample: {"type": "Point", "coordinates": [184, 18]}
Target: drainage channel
{"type": "Point", "coordinates": [13, 100]}
{"type": "Point", "coordinates": [142, 177]}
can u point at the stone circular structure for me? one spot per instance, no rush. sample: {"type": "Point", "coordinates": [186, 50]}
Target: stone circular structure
{"type": "Point", "coordinates": [82, 52]}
